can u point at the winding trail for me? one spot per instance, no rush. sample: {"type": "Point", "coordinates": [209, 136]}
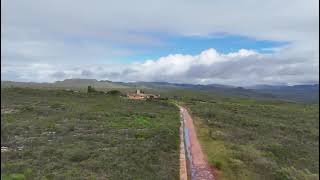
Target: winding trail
{"type": "Point", "coordinates": [197, 166]}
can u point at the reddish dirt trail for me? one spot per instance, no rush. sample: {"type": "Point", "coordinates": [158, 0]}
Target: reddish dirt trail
{"type": "Point", "coordinates": [198, 165]}
{"type": "Point", "coordinates": [183, 162]}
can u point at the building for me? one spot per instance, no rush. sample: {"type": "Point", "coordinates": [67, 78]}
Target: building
{"type": "Point", "coordinates": [141, 95]}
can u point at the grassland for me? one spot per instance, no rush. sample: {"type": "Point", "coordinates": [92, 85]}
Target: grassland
{"type": "Point", "coordinates": [55, 134]}
{"type": "Point", "coordinates": [255, 139]}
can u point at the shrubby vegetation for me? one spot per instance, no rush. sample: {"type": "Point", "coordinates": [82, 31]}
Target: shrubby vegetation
{"type": "Point", "coordinates": [114, 92]}
{"type": "Point", "coordinates": [255, 139]}
{"type": "Point", "coordinates": [56, 134]}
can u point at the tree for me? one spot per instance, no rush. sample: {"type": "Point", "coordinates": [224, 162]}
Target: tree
{"type": "Point", "coordinates": [114, 92]}
{"type": "Point", "coordinates": [91, 89]}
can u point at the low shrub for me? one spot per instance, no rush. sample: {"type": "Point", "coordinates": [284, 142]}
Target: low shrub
{"type": "Point", "coordinates": [217, 164]}
{"type": "Point", "coordinates": [114, 92]}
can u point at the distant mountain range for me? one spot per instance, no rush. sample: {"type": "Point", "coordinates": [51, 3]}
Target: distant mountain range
{"type": "Point", "coordinates": [67, 83]}
{"type": "Point", "coordinates": [303, 93]}
{"type": "Point", "coordinates": [299, 93]}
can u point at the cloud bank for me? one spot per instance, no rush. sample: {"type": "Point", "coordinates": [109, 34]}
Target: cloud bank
{"type": "Point", "coordinates": [243, 68]}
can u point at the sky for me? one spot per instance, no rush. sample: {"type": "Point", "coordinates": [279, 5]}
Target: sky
{"type": "Point", "coordinates": [227, 42]}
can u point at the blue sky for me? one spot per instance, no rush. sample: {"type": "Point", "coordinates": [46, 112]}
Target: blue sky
{"type": "Point", "coordinates": [194, 45]}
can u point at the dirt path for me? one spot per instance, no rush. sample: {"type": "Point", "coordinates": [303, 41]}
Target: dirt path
{"type": "Point", "coordinates": [183, 162]}
{"type": "Point", "coordinates": [196, 162]}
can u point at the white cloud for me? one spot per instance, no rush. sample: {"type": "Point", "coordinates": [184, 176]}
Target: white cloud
{"type": "Point", "coordinates": [245, 67]}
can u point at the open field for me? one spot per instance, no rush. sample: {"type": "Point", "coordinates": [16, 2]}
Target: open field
{"type": "Point", "coordinates": [251, 139]}
{"type": "Point", "coordinates": [54, 134]}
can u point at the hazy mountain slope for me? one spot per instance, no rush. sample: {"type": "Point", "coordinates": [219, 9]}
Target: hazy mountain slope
{"type": "Point", "coordinates": [68, 83]}
{"type": "Point", "coordinates": [301, 93]}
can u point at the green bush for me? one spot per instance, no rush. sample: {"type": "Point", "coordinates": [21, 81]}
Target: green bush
{"type": "Point", "coordinates": [114, 92]}
{"type": "Point", "coordinates": [78, 155]}
{"type": "Point", "coordinates": [217, 164]}
{"type": "Point", "coordinates": [91, 89]}
{"type": "Point", "coordinates": [58, 106]}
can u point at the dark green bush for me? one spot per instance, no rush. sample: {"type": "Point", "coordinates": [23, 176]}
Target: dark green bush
{"type": "Point", "coordinates": [114, 92]}
{"type": "Point", "coordinates": [217, 164]}
{"type": "Point", "coordinates": [91, 89]}
{"type": "Point", "coordinates": [78, 155]}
